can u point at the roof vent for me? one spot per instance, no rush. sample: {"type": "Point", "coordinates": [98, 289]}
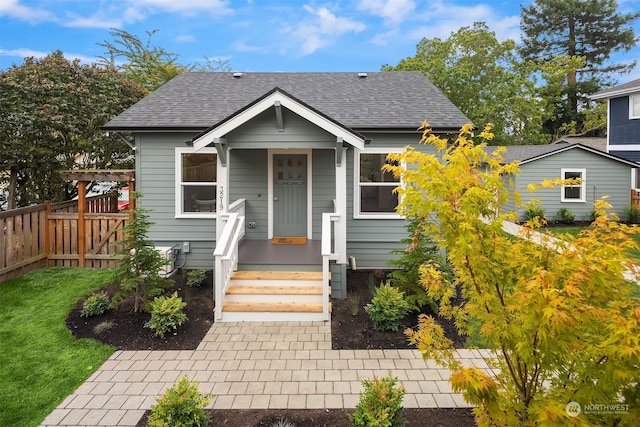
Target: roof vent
{"type": "Point", "coordinates": [362, 75]}
{"type": "Point", "coordinates": [237, 75]}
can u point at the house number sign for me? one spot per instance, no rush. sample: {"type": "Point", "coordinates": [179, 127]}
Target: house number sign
{"type": "Point", "coordinates": [221, 198]}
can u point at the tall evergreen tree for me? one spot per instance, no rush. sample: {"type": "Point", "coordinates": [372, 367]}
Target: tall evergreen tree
{"type": "Point", "coordinates": [592, 29]}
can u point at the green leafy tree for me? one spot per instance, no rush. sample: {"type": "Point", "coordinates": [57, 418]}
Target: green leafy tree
{"type": "Point", "coordinates": [138, 275]}
{"type": "Point", "coordinates": [587, 29]}
{"type": "Point", "coordinates": [486, 79]}
{"type": "Point", "coordinates": [51, 111]}
{"type": "Point", "coordinates": [148, 64]}
{"type": "Point", "coordinates": [561, 320]}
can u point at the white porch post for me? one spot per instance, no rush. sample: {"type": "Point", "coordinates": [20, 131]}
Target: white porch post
{"type": "Point", "coordinates": [341, 207]}
{"type": "Point", "coordinates": [222, 196]}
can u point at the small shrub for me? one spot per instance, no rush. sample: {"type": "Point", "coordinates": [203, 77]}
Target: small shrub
{"type": "Point", "coordinates": [592, 215]}
{"type": "Point", "coordinates": [387, 308]}
{"type": "Point", "coordinates": [534, 211]}
{"type": "Point", "coordinates": [282, 423]}
{"type": "Point", "coordinates": [196, 277]}
{"type": "Point", "coordinates": [632, 214]}
{"type": "Point", "coordinates": [371, 284]}
{"type": "Point", "coordinates": [166, 314]}
{"type": "Point", "coordinates": [420, 250]}
{"type": "Point", "coordinates": [102, 327]}
{"type": "Point", "coordinates": [95, 304]}
{"type": "Point", "coordinates": [565, 216]}
{"type": "Point", "coordinates": [355, 304]}
{"type": "Point", "coordinates": [380, 404]}
{"type": "Point", "coordinates": [182, 405]}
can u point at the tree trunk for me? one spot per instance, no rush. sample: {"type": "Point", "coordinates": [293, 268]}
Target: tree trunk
{"type": "Point", "coordinates": [13, 183]}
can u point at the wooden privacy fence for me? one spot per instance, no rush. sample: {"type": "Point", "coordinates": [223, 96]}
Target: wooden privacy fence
{"type": "Point", "coordinates": [61, 235]}
{"type": "Point", "coordinates": [635, 198]}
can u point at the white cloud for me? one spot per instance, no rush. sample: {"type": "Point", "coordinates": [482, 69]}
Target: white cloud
{"type": "Point", "coordinates": [187, 7]}
{"type": "Point", "coordinates": [26, 52]}
{"type": "Point", "coordinates": [443, 17]}
{"type": "Point", "coordinates": [14, 9]}
{"type": "Point", "coordinates": [323, 29]}
{"type": "Point", "coordinates": [99, 20]}
{"type": "Point", "coordinates": [186, 38]}
{"type": "Point", "coordinates": [392, 11]}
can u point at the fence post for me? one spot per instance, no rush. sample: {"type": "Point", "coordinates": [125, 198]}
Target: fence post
{"type": "Point", "coordinates": [47, 236]}
{"type": "Point", "coordinates": [82, 203]}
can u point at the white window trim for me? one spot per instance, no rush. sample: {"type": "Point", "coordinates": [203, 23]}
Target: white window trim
{"type": "Point", "coordinates": [178, 200]}
{"type": "Point", "coordinates": [356, 185]}
{"type": "Point", "coordinates": [631, 99]}
{"type": "Point", "coordinates": [583, 185]}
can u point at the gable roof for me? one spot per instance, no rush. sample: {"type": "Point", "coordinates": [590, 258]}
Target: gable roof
{"type": "Point", "coordinates": [617, 91]}
{"type": "Point", "coordinates": [599, 143]}
{"type": "Point", "coordinates": [382, 100]}
{"type": "Point", "coordinates": [279, 98]}
{"type": "Point", "coordinates": [530, 153]}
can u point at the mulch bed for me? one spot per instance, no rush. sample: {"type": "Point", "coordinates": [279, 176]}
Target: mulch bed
{"type": "Point", "coordinates": [348, 331]}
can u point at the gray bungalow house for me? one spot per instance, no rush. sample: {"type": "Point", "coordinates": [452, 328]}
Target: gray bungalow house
{"type": "Point", "coordinates": [623, 120]}
{"type": "Point", "coordinates": [601, 174]}
{"type": "Point", "coordinates": [274, 181]}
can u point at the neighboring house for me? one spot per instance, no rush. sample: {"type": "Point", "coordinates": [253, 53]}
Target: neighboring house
{"type": "Point", "coordinates": [623, 119]}
{"type": "Point", "coordinates": [286, 157]}
{"type": "Point", "coordinates": [599, 143]}
{"type": "Point", "coordinates": [601, 174]}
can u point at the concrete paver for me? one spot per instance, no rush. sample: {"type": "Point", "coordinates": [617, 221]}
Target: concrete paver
{"type": "Point", "coordinates": [275, 365]}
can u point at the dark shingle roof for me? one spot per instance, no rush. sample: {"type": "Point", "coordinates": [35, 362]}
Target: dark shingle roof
{"type": "Point", "coordinates": [530, 153]}
{"type": "Point", "coordinates": [616, 91]}
{"type": "Point", "coordinates": [395, 100]}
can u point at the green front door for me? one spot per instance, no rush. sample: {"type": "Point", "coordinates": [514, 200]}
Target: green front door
{"type": "Point", "coordinates": [290, 195]}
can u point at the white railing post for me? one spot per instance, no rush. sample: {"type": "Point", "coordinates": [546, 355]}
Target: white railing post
{"type": "Point", "coordinates": [226, 251]}
{"type": "Point", "coordinates": [328, 253]}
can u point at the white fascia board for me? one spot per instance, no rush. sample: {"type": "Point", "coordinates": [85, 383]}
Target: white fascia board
{"type": "Point", "coordinates": [286, 102]}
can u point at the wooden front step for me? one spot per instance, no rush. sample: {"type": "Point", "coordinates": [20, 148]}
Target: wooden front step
{"type": "Point", "coordinates": [273, 307]}
{"type": "Point", "coordinates": [274, 290]}
{"type": "Point", "coordinates": [277, 275]}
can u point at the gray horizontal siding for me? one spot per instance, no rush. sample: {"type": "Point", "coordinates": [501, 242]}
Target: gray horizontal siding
{"type": "Point", "coordinates": [371, 241]}
{"type": "Point", "coordinates": [605, 177]}
{"type": "Point", "coordinates": [248, 180]}
{"type": "Point", "coordinates": [262, 132]}
{"type": "Point", "coordinates": [324, 185]}
{"type": "Point", "coordinates": [155, 178]}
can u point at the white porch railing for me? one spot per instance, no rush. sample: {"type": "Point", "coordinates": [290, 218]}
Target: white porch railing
{"type": "Point", "coordinates": [226, 252]}
{"type": "Point", "coordinates": [329, 237]}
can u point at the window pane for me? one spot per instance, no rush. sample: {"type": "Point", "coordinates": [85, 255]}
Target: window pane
{"type": "Point", "coordinates": [370, 168]}
{"type": "Point", "coordinates": [572, 192]}
{"type": "Point", "coordinates": [378, 199]}
{"type": "Point", "coordinates": [572, 175]}
{"type": "Point", "coordinates": [199, 167]}
{"type": "Point", "coordinates": [635, 106]}
{"type": "Point", "coordinates": [198, 198]}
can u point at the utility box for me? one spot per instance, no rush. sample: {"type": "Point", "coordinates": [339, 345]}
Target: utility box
{"type": "Point", "coordinates": [167, 253]}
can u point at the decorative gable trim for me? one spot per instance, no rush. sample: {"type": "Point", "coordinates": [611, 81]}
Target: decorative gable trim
{"type": "Point", "coordinates": [277, 98]}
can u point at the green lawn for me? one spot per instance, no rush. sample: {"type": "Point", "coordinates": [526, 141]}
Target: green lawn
{"type": "Point", "coordinates": [41, 363]}
{"type": "Point", "coordinates": [574, 230]}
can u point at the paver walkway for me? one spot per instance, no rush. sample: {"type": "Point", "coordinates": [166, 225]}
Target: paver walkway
{"type": "Point", "coordinates": [256, 365]}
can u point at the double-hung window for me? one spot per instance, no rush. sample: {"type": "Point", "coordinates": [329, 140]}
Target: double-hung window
{"type": "Point", "coordinates": [634, 106]}
{"type": "Point", "coordinates": [374, 187]}
{"type": "Point", "coordinates": [196, 175]}
{"type": "Point", "coordinates": [575, 192]}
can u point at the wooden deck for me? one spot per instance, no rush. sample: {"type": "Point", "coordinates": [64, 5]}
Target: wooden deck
{"type": "Point", "coordinates": [263, 252]}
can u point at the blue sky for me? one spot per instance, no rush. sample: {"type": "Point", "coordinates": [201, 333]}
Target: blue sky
{"type": "Point", "coordinates": [258, 35]}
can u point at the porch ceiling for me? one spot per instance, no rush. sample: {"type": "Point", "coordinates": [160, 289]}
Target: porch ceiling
{"type": "Point", "coordinates": [277, 98]}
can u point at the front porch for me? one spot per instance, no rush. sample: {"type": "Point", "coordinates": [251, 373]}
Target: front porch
{"type": "Point", "coordinates": [257, 280]}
